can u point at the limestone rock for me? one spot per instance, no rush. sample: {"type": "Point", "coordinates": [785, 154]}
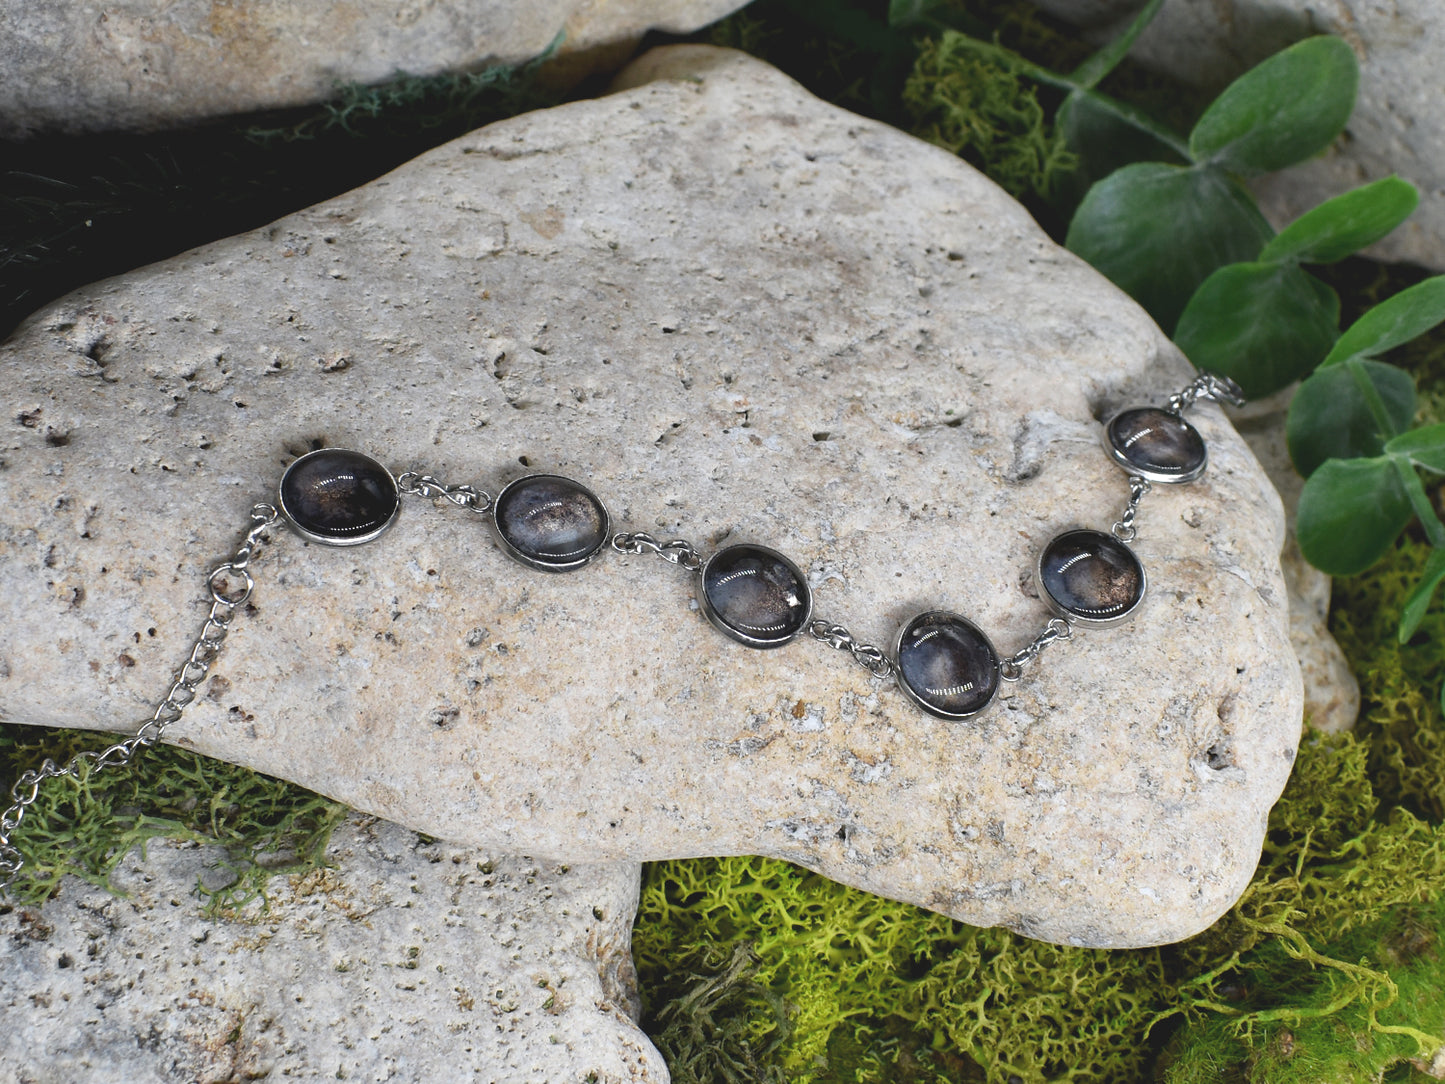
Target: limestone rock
{"type": "Point", "coordinates": [83, 65]}
{"type": "Point", "coordinates": [411, 962]}
{"type": "Point", "coordinates": [1397, 127]}
{"type": "Point", "coordinates": [740, 315]}
{"type": "Point", "coordinates": [1331, 691]}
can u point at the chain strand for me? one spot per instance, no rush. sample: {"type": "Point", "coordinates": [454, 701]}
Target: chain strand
{"type": "Point", "coordinates": [424, 485]}
{"type": "Point", "coordinates": [1012, 668]}
{"type": "Point", "coordinates": [1221, 389]}
{"type": "Point", "coordinates": [677, 551]}
{"type": "Point", "coordinates": [866, 655]}
{"type": "Point", "coordinates": [1124, 529]}
{"type": "Point", "coordinates": [230, 585]}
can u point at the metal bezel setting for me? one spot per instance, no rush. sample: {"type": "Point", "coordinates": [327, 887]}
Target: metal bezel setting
{"type": "Point", "coordinates": [722, 626]}
{"type": "Point", "coordinates": [1167, 477]}
{"type": "Point", "coordinates": [541, 565]}
{"type": "Point", "coordinates": [913, 696]}
{"type": "Point", "coordinates": [1083, 620]}
{"type": "Point", "coordinates": [333, 540]}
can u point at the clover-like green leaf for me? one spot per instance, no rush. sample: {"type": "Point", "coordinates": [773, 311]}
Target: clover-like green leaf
{"type": "Point", "coordinates": [1345, 224]}
{"type": "Point", "coordinates": [1262, 324]}
{"type": "Point", "coordinates": [1413, 612]}
{"type": "Point", "coordinates": [1397, 320]}
{"type": "Point", "coordinates": [1348, 411]}
{"type": "Point", "coordinates": [1107, 59]}
{"type": "Point", "coordinates": [1158, 231]}
{"type": "Point", "coordinates": [1281, 111]}
{"type": "Point", "coordinates": [1350, 512]}
{"type": "Point", "coordinates": [1105, 135]}
{"type": "Point", "coordinates": [1424, 447]}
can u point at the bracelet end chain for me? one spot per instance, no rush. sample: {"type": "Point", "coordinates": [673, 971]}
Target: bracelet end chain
{"type": "Point", "coordinates": [204, 649]}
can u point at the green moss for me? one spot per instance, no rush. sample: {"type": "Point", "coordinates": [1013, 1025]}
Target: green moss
{"type": "Point", "coordinates": [85, 826]}
{"type": "Point", "coordinates": [986, 114]}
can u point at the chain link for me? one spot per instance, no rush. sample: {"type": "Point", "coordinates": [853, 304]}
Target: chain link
{"type": "Point", "coordinates": [1012, 668]}
{"type": "Point", "coordinates": [1207, 386]}
{"type": "Point", "coordinates": [677, 551]}
{"type": "Point", "coordinates": [866, 655]}
{"type": "Point", "coordinates": [424, 485]}
{"type": "Point", "coordinates": [1124, 529]}
{"type": "Point", "coordinates": [230, 585]}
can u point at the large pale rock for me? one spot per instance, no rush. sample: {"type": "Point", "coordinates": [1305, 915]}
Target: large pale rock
{"type": "Point", "coordinates": [413, 962]}
{"type": "Point", "coordinates": [741, 315]}
{"type": "Point", "coordinates": [84, 65]}
{"type": "Point", "coordinates": [1398, 125]}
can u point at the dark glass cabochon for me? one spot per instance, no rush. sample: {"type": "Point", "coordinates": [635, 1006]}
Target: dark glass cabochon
{"type": "Point", "coordinates": [1092, 577]}
{"type": "Point", "coordinates": [947, 665]}
{"type": "Point", "coordinates": [338, 497]}
{"type": "Point", "coordinates": [1157, 444]}
{"type": "Point", "coordinates": [551, 522]}
{"type": "Point", "coordinates": [755, 595]}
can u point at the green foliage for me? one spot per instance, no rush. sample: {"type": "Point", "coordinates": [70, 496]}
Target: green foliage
{"type": "Point", "coordinates": [1392, 323]}
{"type": "Point", "coordinates": [1261, 324]}
{"type": "Point", "coordinates": [1348, 433]}
{"type": "Point", "coordinates": [85, 826]}
{"type": "Point", "coordinates": [1331, 415]}
{"type": "Point", "coordinates": [1158, 231]}
{"type": "Point", "coordinates": [971, 104]}
{"type": "Point", "coordinates": [1282, 111]}
{"type": "Point", "coordinates": [1342, 226]}
{"type": "Point", "coordinates": [1162, 231]}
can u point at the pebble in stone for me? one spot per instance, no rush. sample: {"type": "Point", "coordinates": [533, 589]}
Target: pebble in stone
{"type": "Point", "coordinates": [736, 312]}
{"type": "Point", "coordinates": [89, 65]}
{"type": "Point", "coordinates": [405, 960]}
{"type": "Point", "coordinates": [1156, 444]}
{"type": "Point", "coordinates": [947, 665]}
{"type": "Point", "coordinates": [755, 595]}
{"type": "Point", "coordinates": [339, 497]}
{"type": "Point", "coordinates": [1091, 577]}
{"type": "Point", "coordinates": [551, 523]}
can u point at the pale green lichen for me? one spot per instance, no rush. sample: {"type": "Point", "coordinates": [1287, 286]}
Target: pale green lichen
{"type": "Point", "coordinates": [85, 825]}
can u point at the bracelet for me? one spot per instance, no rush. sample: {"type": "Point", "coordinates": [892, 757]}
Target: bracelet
{"type": "Point", "coordinates": [942, 662]}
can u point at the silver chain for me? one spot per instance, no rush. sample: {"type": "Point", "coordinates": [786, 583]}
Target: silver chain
{"type": "Point", "coordinates": [1012, 668]}
{"type": "Point", "coordinates": [1124, 529]}
{"type": "Point", "coordinates": [866, 655]}
{"type": "Point", "coordinates": [677, 551]}
{"type": "Point", "coordinates": [230, 585]}
{"type": "Point", "coordinates": [1207, 386]}
{"type": "Point", "coordinates": [424, 485]}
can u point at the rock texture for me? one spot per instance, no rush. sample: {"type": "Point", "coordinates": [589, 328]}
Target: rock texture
{"type": "Point", "coordinates": [83, 65]}
{"type": "Point", "coordinates": [1398, 125]}
{"type": "Point", "coordinates": [740, 315]}
{"type": "Point", "coordinates": [410, 962]}
{"type": "Point", "coordinates": [1332, 693]}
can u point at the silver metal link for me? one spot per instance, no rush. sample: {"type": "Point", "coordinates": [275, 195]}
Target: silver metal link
{"type": "Point", "coordinates": [1124, 529]}
{"type": "Point", "coordinates": [677, 551]}
{"type": "Point", "coordinates": [866, 655]}
{"type": "Point", "coordinates": [424, 485]}
{"type": "Point", "coordinates": [1012, 668]}
{"type": "Point", "coordinates": [1207, 386]}
{"type": "Point", "coordinates": [225, 598]}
